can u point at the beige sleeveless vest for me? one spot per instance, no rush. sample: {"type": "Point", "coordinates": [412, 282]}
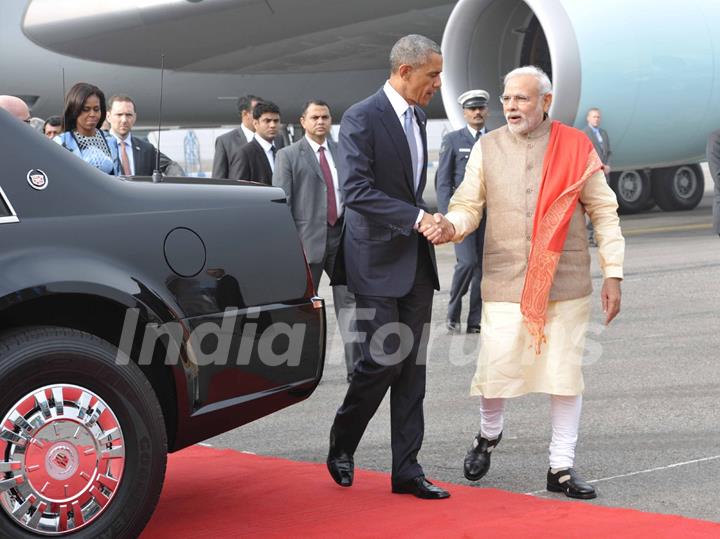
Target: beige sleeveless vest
{"type": "Point", "coordinates": [512, 168]}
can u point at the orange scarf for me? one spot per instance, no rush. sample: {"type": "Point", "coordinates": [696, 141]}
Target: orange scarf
{"type": "Point", "coordinates": [569, 161]}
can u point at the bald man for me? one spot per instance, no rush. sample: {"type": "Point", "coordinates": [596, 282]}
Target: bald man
{"type": "Point", "coordinates": [16, 107]}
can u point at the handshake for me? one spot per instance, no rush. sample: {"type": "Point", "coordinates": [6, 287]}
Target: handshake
{"type": "Point", "coordinates": [436, 228]}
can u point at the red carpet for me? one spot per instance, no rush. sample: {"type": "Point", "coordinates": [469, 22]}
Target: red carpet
{"type": "Point", "coordinates": [211, 493]}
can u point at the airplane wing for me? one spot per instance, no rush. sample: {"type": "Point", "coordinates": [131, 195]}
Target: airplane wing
{"type": "Point", "coordinates": [234, 36]}
{"type": "Point", "coordinates": [615, 55]}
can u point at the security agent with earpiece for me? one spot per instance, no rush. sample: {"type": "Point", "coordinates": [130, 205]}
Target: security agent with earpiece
{"type": "Point", "coordinates": [454, 154]}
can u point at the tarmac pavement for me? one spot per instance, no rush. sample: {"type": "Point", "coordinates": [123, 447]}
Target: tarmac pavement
{"type": "Point", "coordinates": [650, 431]}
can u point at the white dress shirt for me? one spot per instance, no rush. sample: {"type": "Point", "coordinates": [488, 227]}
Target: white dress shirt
{"type": "Point", "coordinates": [473, 132]}
{"type": "Point", "coordinates": [128, 148]}
{"type": "Point", "coordinates": [333, 171]}
{"type": "Point", "coordinates": [399, 105]}
{"type": "Point", "coordinates": [249, 135]}
{"type": "Point", "coordinates": [267, 148]}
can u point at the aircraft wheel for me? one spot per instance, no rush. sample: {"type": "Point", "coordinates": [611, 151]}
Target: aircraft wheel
{"type": "Point", "coordinates": [632, 188]}
{"type": "Point", "coordinates": [678, 188]}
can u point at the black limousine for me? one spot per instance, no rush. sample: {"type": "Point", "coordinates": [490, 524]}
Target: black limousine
{"type": "Point", "coordinates": [136, 318]}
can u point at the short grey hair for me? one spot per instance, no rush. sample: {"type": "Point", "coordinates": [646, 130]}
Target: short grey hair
{"type": "Point", "coordinates": [543, 80]}
{"type": "Point", "coordinates": [413, 50]}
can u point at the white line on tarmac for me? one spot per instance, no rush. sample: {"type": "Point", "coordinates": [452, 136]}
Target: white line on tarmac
{"type": "Point", "coordinates": [671, 228]}
{"type": "Point", "coordinates": [649, 470]}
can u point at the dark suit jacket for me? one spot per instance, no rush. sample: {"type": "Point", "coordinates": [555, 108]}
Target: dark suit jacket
{"type": "Point", "coordinates": [454, 154]}
{"type": "Point", "coordinates": [297, 171]}
{"type": "Point", "coordinates": [381, 204]}
{"type": "Point", "coordinates": [227, 148]}
{"type": "Point", "coordinates": [713, 157]}
{"type": "Point", "coordinates": [603, 150]}
{"type": "Point", "coordinates": [144, 157]}
{"type": "Point", "coordinates": [226, 162]}
{"type": "Point", "coordinates": [253, 164]}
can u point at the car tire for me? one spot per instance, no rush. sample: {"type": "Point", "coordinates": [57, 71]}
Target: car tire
{"type": "Point", "coordinates": [83, 422]}
{"type": "Point", "coordinates": [632, 188]}
{"type": "Point", "coordinates": [678, 188]}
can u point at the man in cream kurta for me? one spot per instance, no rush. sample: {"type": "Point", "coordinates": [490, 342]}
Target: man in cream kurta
{"type": "Point", "coordinates": [503, 175]}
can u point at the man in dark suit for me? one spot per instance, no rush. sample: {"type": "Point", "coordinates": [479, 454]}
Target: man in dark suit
{"type": "Point", "coordinates": [599, 137]}
{"type": "Point", "coordinates": [137, 156]}
{"type": "Point", "coordinates": [256, 160]}
{"type": "Point", "coordinates": [454, 154]}
{"type": "Point", "coordinates": [601, 141]}
{"type": "Point", "coordinates": [227, 146]}
{"type": "Point", "coordinates": [390, 267]}
{"type": "Point", "coordinates": [306, 172]}
{"type": "Point", "coordinates": [713, 157]}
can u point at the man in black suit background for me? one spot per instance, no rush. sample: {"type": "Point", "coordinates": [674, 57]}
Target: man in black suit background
{"type": "Point", "coordinates": [390, 267]}
{"type": "Point", "coordinates": [137, 156]}
{"type": "Point", "coordinates": [227, 146]}
{"type": "Point", "coordinates": [599, 137]}
{"type": "Point", "coordinates": [601, 142]}
{"type": "Point", "coordinates": [256, 160]}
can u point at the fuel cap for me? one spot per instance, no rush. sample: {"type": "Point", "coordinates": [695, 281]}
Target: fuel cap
{"type": "Point", "coordinates": [185, 252]}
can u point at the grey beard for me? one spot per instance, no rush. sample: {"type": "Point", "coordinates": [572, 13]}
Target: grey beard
{"type": "Point", "coordinates": [521, 129]}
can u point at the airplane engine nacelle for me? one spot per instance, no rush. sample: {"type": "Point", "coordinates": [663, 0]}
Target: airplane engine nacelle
{"type": "Point", "coordinates": [651, 66]}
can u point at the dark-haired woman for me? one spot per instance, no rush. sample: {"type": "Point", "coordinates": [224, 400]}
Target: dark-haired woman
{"type": "Point", "coordinates": [85, 112]}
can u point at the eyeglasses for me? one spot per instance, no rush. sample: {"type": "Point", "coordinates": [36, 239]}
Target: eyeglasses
{"type": "Point", "coordinates": [519, 99]}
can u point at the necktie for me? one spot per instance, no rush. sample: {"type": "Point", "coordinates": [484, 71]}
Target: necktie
{"type": "Point", "coordinates": [477, 135]}
{"type": "Point", "coordinates": [332, 215]}
{"type": "Point", "coordinates": [124, 161]}
{"type": "Point", "coordinates": [410, 135]}
{"type": "Point", "coordinates": [273, 149]}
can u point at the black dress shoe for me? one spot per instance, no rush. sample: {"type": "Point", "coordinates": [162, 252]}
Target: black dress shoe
{"type": "Point", "coordinates": [452, 327]}
{"type": "Point", "coordinates": [421, 488]}
{"type": "Point", "coordinates": [340, 463]}
{"type": "Point", "coordinates": [473, 329]}
{"type": "Point", "coordinates": [569, 482]}
{"type": "Point", "coordinates": [341, 468]}
{"type": "Point", "coordinates": [477, 460]}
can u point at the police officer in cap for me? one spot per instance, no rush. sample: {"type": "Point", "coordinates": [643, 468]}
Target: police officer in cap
{"type": "Point", "coordinates": [454, 154]}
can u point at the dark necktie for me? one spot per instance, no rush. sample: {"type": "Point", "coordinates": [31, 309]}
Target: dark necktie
{"type": "Point", "coordinates": [273, 149]}
{"type": "Point", "coordinates": [477, 135]}
{"type": "Point", "coordinates": [332, 215]}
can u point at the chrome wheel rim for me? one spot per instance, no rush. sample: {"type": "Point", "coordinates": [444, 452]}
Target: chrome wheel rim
{"type": "Point", "coordinates": [630, 186]}
{"type": "Point", "coordinates": [63, 456]}
{"type": "Point", "coordinates": [685, 183]}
